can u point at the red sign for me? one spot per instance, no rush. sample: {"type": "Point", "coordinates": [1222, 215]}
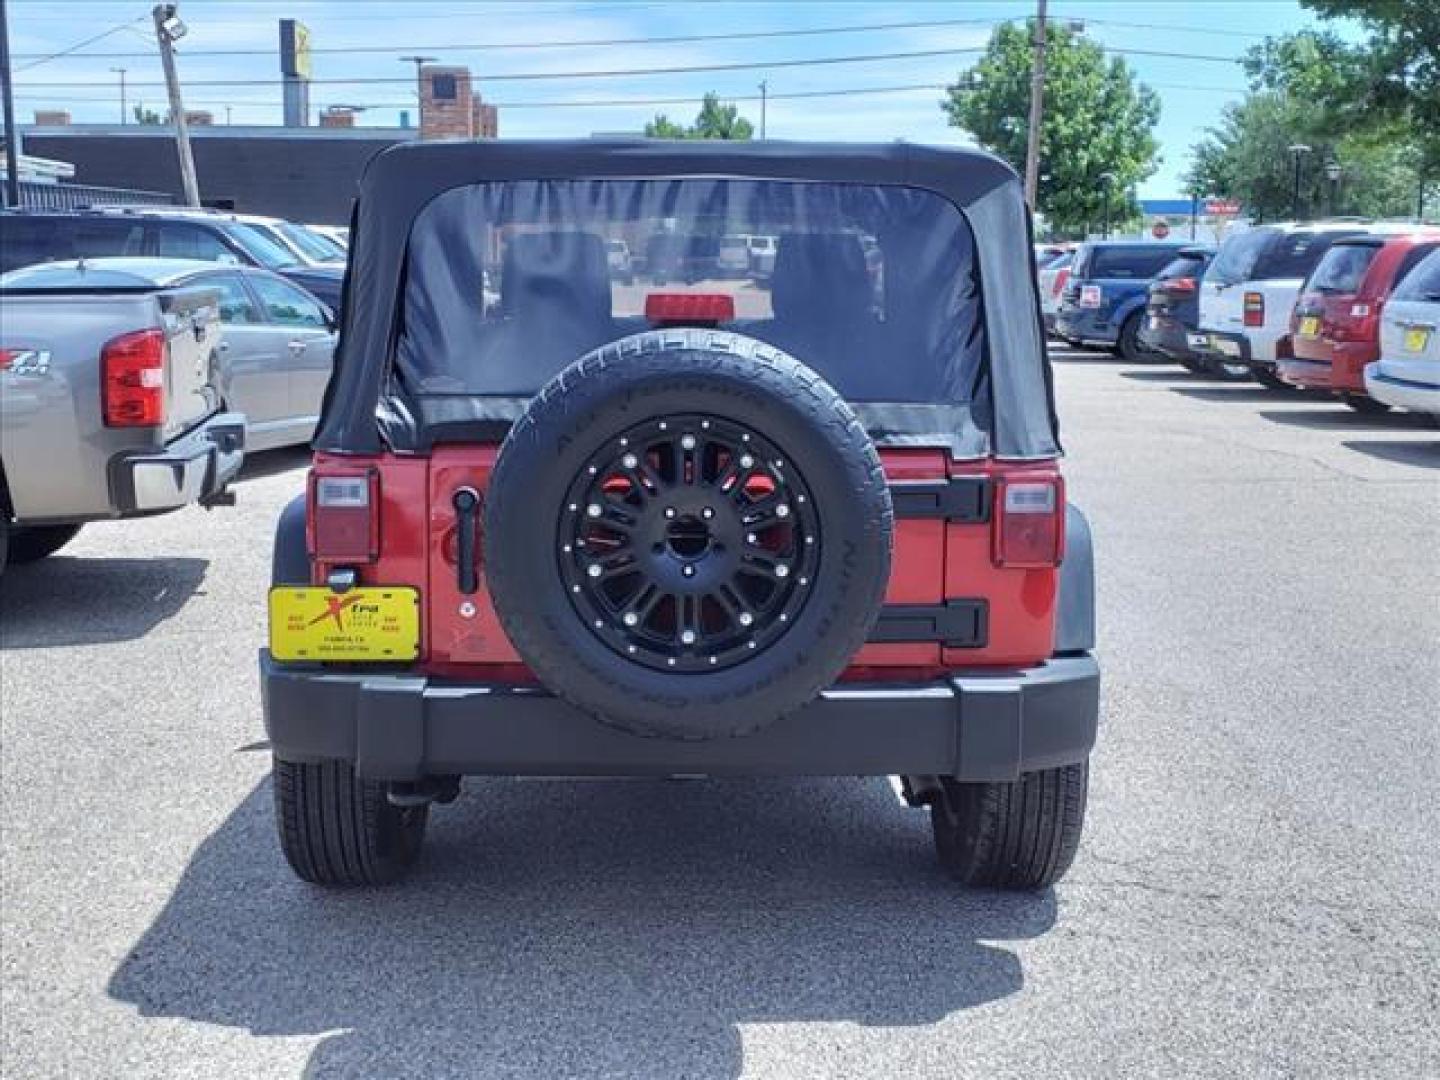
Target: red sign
{"type": "Point", "coordinates": [1160, 230]}
{"type": "Point", "coordinates": [1222, 207]}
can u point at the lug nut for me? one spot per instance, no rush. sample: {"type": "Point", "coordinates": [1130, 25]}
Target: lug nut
{"type": "Point", "coordinates": [782, 511]}
{"type": "Point", "coordinates": [688, 442]}
{"type": "Point", "coordinates": [669, 511]}
{"type": "Point", "coordinates": [688, 637]}
{"type": "Point", "coordinates": [782, 571]}
{"type": "Point", "coordinates": [746, 461]}
{"type": "Point", "coordinates": [594, 510]}
{"type": "Point", "coordinates": [707, 513]}
{"type": "Point", "coordinates": [688, 571]}
{"type": "Point", "coordinates": [594, 570]}
{"type": "Point", "coordinates": [629, 461]}
{"type": "Point", "coordinates": [746, 618]}
{"type": "Point", "coordinates": [630, 618]}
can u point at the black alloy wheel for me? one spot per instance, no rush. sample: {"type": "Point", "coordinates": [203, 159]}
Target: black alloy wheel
{"type": "Point", "coordinates": [689, 543]}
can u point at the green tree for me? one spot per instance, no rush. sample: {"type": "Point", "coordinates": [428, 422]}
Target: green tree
{"type": "Point", "coordinates": [714, 121]}
{"type": "Point", "coordinates": [1098, 120]}
{"type": "Point", "coordinates": [1395, 73]}
{"type": "Point", "coordinates": [147, 116]}
{"type": "Point", "coordinates": [1306, 89]}
{"type": "Point", "coordinates": [1247, 157]}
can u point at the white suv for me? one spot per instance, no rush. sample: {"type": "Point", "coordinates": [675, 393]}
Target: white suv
{"type": "Point", "coordinates": [1250, 290]}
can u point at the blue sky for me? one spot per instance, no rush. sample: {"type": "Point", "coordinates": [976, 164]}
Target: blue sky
{"type": "Point", "coordinates": [1192, 91]}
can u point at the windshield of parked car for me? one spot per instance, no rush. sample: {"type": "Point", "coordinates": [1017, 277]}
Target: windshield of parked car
{"type": "Point", "coordinates": [314, 247]}
{"type": "Point", "coordinates": [1423, 282]}
{"type": "Point", "coordinates": [902, 323]}
{"type": "Point", "coordinates": [260, 246]}
{"type": "Point", "coordinates": [1342, 268]}
{"type": "Point", "coordinates": [1235, 262]}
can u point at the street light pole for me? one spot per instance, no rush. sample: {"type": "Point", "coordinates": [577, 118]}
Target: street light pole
{"type": "Point", "coordinates": [1037, 109]}
{"type": "Point", "coordinates": [12, 138]}
{"type": "Point", "coordinates": [1297, 150]}
{"type": "Point", "coordinates": [169, 29]}
{"type": "Point", "coordinates": [1332, 172]}
{"type": "Point", "coordinates": [121, 73]}
{"type": "Point", "coordinates": [1106, 179]}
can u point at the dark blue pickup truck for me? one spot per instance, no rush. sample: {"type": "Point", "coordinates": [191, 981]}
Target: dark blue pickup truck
{"type": "Point", "coordinates": [1104, 300]}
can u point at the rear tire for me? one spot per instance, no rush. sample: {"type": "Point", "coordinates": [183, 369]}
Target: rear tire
{"type": "Point", "coordinates": [31, 544]}
{"type": "Point", "coordinates": [1127, 345]}
{"type": "Point", "coordinates": [1020, 835]}
{"type": "Point", "coordinates": [337, 829]}
{"type": "Point", "coordinates": [1361, 403]}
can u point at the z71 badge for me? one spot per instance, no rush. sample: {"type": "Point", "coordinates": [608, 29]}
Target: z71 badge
{"type": "Point", "coordinates": [25, 361]}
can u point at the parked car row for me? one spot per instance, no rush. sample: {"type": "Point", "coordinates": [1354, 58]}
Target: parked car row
{"type": "Point", "coordinates": [1345, 307]}
{"type": "Point", "coordinates": [142, 352]}
{"type": "Point", "coordinates": [310, 260]}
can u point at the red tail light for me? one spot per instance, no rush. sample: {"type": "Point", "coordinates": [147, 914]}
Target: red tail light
{"type": "Point", "coordinates": [1180, 285]}
{"type": "Point", "coordinates": [1061, 277]}
{"type": "Point", "coordinates": [1030, 522]}
{"type": "Point", "coordinates": [669, 309]}
{"type": "Point", "coordinates": [1254, 309]}
{"type": "Point", "coordinates": [132, 379]}
{"type": "Point", "coordinates": [344, 519]}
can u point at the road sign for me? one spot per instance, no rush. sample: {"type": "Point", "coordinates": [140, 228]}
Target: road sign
{"type": "Point", "coordinates": [1222, 207]}
{"type": "Point", "coordinates": [1160, 230]}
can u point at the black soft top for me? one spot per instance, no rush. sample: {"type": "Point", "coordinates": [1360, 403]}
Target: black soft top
{"type": "Point", "coordinates": [400, 182]}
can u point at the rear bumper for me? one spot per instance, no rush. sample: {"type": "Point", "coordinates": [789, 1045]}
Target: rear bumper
{"type": "Point", "coordinates": [1170, 337]}
{"type": "Point", "coordinates": [192, 468]}
{"type": "Point", "coordinates": [1084, 324]}
{"type": "Point", "coordinates": [1319, 364]}
{"type": "Point", "coordinates": [972, 726]}
{"type": "Point", "coordinates": [1402, 393]}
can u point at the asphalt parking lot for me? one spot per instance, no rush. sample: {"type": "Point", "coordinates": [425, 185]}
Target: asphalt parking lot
{"type": "Point", "coordinates": [1255, 895]}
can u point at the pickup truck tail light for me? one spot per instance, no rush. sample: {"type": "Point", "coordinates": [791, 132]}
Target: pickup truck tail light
{"type": "Point", "coordinates": [132, 379]}
{"type": "Point", "coordinates": [1179, 285]}
{"type": "Point", "coordinates": [1254, 309]}
{"type": "Point", "coordinates": [1030, 522]}
{"type": "Point", "coordinates": [343, 525]}
{"type": "Point", "coordinates": [1061, 277]}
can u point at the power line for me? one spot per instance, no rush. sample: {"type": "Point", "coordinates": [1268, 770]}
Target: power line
{"type": "Point", "coordinates": [509, 46]}
{"type": "Point", "coordinates": [689, 69]}
{"type": "Point", "coordinates": [46, 58]}
{"type": "Point", "coordinates": [618, 103]}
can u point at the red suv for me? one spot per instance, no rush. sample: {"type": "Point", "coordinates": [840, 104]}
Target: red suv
{"type": "Point", "coordinates": [1335, 328]}
{"type": "Point", "coordinates": [576, 526]}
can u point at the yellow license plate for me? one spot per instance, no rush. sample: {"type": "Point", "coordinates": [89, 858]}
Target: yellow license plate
{"type": "Point", "coordinates": [1416, 340]}
{"type": "Point", "coordinates": [1310, 325]}
{"type": "Point", "coordinates": [369, 623]}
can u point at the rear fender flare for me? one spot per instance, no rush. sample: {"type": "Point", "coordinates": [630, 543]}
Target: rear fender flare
{"type": "Point", "coordinates": [1075, 612]}
{"type": "Point", "coordinates": [290, 561]}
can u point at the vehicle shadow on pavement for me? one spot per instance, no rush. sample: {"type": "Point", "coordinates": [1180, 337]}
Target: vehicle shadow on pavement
{"type": "Point", "coordinates": [586, 929]}
{"type": "Point", "coordinates": [1337, 416]}
{"type": "Point", "coordinates": [64, 600]}
{"type": "Point", "coordinates": [1424, 454]}
{"type": "Point", "coordinates": [1232, 392]}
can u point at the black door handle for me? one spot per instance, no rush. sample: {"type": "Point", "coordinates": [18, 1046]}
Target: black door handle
{"type": "Point", "coordinates": [467, 523]}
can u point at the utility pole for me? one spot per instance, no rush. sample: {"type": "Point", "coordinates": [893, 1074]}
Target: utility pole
{"type": "Point", "coordinates": [12, 137]}
{"type": "Point", "coordinates": [1037, 109]}
{"type": "Point", "coordinates": [121, 73]}
{"type": "Point", "coordinates": [168, 30]}
{"type": "Point", "coordinates": [764, 100]}
{"type": "Point", "coordinates": [419, 62]}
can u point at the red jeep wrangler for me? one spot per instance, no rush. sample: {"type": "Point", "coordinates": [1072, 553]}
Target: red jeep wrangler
{"type": "Point", "coordinates": [809, 522]}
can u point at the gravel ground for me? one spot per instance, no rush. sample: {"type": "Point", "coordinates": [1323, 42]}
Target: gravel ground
{"type": "Point", "coordinates": [1255, 895]}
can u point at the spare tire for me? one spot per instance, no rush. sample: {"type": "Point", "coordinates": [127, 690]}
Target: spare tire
{"type": "Point", "coordinates": [687, 534]}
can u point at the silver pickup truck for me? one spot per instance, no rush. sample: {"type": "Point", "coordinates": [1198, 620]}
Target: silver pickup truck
{"type": "Point", "coordinates": [112, 405]}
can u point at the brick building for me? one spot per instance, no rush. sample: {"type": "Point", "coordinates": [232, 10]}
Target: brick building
{"type": "Point", "coordinates": [451, 109]}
